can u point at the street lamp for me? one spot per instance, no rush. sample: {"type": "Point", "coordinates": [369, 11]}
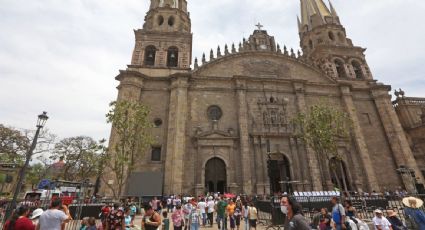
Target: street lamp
{"type": "Point", "coordinates": [42, 118]}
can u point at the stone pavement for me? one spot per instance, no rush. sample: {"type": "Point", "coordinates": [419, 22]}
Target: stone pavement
{"type": "Point", "coordinates": [260, 226]}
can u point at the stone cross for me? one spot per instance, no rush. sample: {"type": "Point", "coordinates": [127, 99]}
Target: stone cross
{"type": "Point", "coordinates": [259, 26]}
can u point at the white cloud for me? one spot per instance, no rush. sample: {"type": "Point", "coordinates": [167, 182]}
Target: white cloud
{"type": "Point", "coordinates": [62, 56]}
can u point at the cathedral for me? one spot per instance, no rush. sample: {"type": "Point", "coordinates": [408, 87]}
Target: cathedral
{"type": "Point", "coordinates": [218, 120]}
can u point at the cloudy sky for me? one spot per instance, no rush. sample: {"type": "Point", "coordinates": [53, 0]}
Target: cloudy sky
{"type": "Point", "coordinates": [62, 55]}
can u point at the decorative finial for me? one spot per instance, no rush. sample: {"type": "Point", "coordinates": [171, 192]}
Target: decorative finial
{"type": "Point", "coordinates": [402, 93]}
{"type": "Point", "coordinates": [240, 47]}
{"type": "Point", "coordinates": [299, 54]}
{"type": "Point", "coordinates": [196, 63]}
{"type": "Point", "coordinates": [203, 58]}
{"type": "Point", "coordinates": [211, 54]}
{"type": "Point", "coordinates": [278, 49]}
{"type": "Point", "coordinates": [259, 26]}
{"type": "Point", "coordinates": [218, 52]}
{"type": "Point", "coordinates": [285, 50]}
{"type": "Point", "coordinates": [292, 53]}
{"type": "Point", "coordinates": [226, 50]}
{"type": "Point", "coordinates": [233, 48]}
{"type": "Point", "coordinates": [396, 93]}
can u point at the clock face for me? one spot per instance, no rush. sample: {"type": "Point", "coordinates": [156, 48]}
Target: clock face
{"type": "Point", "coordinates": [263, 47]}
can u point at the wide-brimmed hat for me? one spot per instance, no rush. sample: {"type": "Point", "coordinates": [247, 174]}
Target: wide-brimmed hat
{"type": "Point", "coordinates": [411, 201]}
{"type": "Point", "coordinates": [36, 213]}
{"type": "Point", "coordinates": [391, 213]}
{"type": "Point", "coordinates": [378, 211]}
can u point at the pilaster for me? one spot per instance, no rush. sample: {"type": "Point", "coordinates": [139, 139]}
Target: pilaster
{"type": "Point", "coordinates": [313, 163]}
{"type": "Point", "coordinates": [359, 139]}
{"type": "Point", "coordinates": [244, 135]}
{"type": "Point", "coordinates": [396, 137]}
{"type": "Point", "coordinates": [176, 141]}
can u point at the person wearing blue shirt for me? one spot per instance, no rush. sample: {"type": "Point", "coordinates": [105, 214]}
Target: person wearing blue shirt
{"type": "Point", "coordinates": [338, 214]}
{"type": "Point", "coordinates": [413, 212]}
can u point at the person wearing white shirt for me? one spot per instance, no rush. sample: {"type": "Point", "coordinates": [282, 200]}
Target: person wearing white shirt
{"type": "Point", "coordinates": [202, 205]}
{"type": "Point", "coordinates": [380, 222]}
{"type": "Point", "coordinates": [210, 214]}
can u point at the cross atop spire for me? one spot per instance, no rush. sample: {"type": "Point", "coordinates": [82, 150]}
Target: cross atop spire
{"type": "Point", "coordinates": [259, 26]}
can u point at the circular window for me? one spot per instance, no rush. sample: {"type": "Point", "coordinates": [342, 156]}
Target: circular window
{"type": "Point", "coordinates": [171, 21]}
{"type": "Point", "coordinates": [214, 113]}
{"type": "Point", "coordinates": [157, 122]}
{"type": "Point", "coordinates": [160, 20]}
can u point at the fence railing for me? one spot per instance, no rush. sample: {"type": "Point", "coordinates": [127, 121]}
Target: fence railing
{"type": "Point", "coordinates": [365, 206]}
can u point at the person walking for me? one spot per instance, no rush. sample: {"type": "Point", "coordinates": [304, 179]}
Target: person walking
{"type": "Point", "coordinates": [252, 216]}
{"type": "Point", "coordinates": [177, 218]}
{"type": "Point", "coordinates": [194, 217]}
{"type": "Point", "coordinates": [221, 212]}
{"type": "Point", "coordinates": [245, 209]}
{"type": "Point", "coordinates": [238, 216]}
{"type": "Point", "coordinates": [338, 214]}
{"type": "Point", "coordinates": [19, 220]}
{"type": "Point", "coordinates": [210, 207]}
{"type": "Point", "coordinates": [202, 206]}
{"type": "Point", "coordinates": [231, 207]}
{"type": "Point", "coordinates": [412, 210]}
{"type": "Point", "coordinates": [293, 211]}
{"type": "Point", "coordinates": [53, 218]}
{"type": "Point", "coordinates": [152, 219]}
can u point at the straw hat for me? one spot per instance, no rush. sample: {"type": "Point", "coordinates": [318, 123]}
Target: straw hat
{"type": "Point", "coordinates": [412, 202]}
{"type": "Point", "coordinates": [36, 213]}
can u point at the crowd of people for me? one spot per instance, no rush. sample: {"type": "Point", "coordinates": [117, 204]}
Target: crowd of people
{"type": "Point", "coordinates": [234, 213]}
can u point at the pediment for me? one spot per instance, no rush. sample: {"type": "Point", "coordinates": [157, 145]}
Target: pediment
{"type": "Point", "coordinates": [259, 64]}
{"type": "Point", "coordinates": [214, 134]}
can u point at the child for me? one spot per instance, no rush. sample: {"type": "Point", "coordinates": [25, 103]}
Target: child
{"type": "Point", "coordinates": [195, 218]}
{"type": "Point", "coordinates": [165, 221]}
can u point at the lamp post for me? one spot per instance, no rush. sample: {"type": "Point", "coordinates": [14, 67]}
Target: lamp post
{"type": "Point", "coordinates": [42, 118]}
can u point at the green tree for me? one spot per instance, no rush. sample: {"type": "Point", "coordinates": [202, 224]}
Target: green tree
{"type": "Point", "coordinates": [13, 145]}
{"type": "Point", "coordinates": [81, 155]}
{"type": "Point", "coordinates": [35, 174]}
{"type": "Point", "coordinates": [322, 127]}
{"type": "Point", "coordinates": [130, 125]}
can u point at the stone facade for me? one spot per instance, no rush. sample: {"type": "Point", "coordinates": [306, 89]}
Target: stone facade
{"type": "Point", "coordinates": [231, 112]}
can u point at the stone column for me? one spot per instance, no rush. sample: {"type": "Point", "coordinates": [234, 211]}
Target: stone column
{"type": "Point", "coordinates": [244, 135]}
{"type": "Point", "coordinates": [313, 163]}
{"type": "Point", "coordinates": [359, 139]}
{"type": "Point", "coordinates": [176, 140]}
{"type": "Point", "coordinates": [396, 137]}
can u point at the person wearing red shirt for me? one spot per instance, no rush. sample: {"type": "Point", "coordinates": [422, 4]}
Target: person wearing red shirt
{"type": "Point", "coordinates": [19, 220]}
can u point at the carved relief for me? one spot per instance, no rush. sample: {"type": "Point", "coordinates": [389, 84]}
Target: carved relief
{"type": "Point", "coordinates": [265, 68]}
{"type": "Point", "coordinates": [273, 114]}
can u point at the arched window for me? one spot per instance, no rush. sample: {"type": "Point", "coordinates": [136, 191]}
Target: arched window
{"type": "Point", "coordinates": [339, 65]}
{"type": "Point", "coordinates": [172, 57]}
{"type": "Point", "coordinates": [357, 70]}
{"type": "Point", "coordinates": [331, 36]}
{"type": "Point", "coordinates": [339, 174]}
{"type": "Point", "coordinates": [150, 53]}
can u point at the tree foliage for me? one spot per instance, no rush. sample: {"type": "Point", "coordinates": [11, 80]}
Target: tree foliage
{"type": "Point", "coordinates": [13, 145]}
{"type": "Point", "coordinates": [131, 137]}
{"type": "Point", "coordinates": [322, 127]}
{"type": "Point", "coordinates": [81, 156]}
{"type": "Point", "coordinates": [35, 174]}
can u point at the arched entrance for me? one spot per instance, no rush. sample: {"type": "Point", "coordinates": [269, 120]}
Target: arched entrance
{"type": "Point", "coordinates": [280, 174]}
{"type": "Point", "coordinates": [215, 175]}
{"type": "Point", "coordinates": [339, 174]}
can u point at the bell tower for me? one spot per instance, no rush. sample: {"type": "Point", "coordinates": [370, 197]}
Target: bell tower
{"type": "Point", "coordinates": [165, 42]}
{"type": "Point", "coordinates": [324, 42]}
